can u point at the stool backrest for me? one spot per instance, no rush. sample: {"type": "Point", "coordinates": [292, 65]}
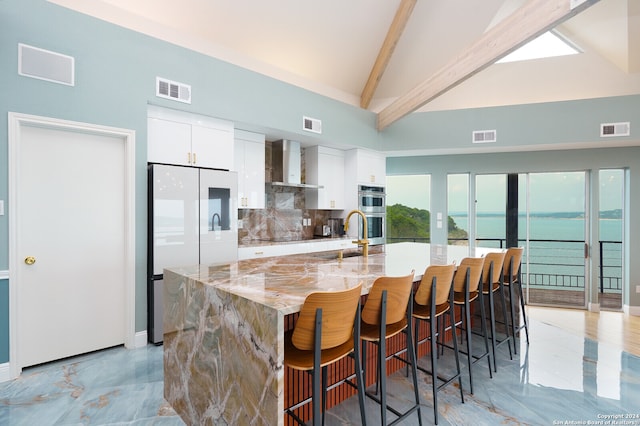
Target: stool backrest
{"type": "Point", "coordinates": [513, 255]}
{"type": "Point", "coordinates": [474, 265]}
{"type": "Point", "coordinates": [498, 260]}
{"type": "Point", "coordinates": [398, 293]}
{"type": "Point", "coordinates": [444, 279]}
{"type": "Point", "coordinates": [338, 316]}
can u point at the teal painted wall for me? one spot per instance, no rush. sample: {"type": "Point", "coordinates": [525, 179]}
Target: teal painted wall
{"type": "Point", "coordinates": [527, 126]}
{"type": "Point", "coordinates": [115, 77]}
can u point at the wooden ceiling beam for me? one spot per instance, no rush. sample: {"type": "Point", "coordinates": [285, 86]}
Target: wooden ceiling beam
{"type": "Point", "coordinates": [633, 16]}
{"type": "Point", "coordinates": [528, 22]}
{"type": "Point", "coordinates": [391, 40]}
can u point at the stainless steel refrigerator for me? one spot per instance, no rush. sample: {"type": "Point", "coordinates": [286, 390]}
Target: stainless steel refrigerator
{"type": "Point", "coordinates": [192, 219]}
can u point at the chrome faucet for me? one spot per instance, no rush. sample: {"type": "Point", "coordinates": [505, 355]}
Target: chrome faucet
{"type": "Point", "coordinates": [364, 242]}
{"type": "Point", "coordinates": [213, 221]}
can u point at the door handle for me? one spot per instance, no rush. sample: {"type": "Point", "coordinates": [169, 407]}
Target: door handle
{"type": "Point", "coordinates": [29, 260]}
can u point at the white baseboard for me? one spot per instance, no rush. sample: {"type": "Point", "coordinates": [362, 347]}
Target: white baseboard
{"type": "Point", "coordinates": [140, 340]}
{"type": "Point", "coordinates": [593, 307]}
{"type": "Point", "coordinates": [5, 375]}
{"type": "Point", "coordinates": [631, 310]}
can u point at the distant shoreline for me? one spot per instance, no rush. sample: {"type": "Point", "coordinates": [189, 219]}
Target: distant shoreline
{"type": "Point", "coordinates": [607, 214]}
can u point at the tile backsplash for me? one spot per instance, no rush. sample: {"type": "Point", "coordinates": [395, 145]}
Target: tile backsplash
{"type": "Point", "coordinates": [284, 214]}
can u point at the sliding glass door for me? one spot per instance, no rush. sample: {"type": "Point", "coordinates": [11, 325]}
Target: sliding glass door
{"type": "Point", "coordinates": [458, 209]}
{"type": "Point", "coordinates": [553, 225]}
{"type": "Point", "coordinates": [491, 217]}
{"type": "Point", "coordinates": [610, 244]}
{"type": "Point", "coordinates": [554, 232]}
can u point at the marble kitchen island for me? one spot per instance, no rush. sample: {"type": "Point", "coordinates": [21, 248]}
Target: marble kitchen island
{"type": "Point", "coordinates": [224, 325]}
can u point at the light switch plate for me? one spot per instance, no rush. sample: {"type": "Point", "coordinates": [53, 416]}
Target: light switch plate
{"type": "Point", "coordinates": [1, 207]}
{"type": "Point", "coordinates": [638, 289]}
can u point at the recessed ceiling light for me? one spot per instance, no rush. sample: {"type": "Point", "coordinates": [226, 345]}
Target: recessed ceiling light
{"type": "Point", "coordinates": [547, 45]}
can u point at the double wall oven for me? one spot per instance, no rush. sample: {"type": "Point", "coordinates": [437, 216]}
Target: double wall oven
{"type": "Point", "coordinates": [371, 201]}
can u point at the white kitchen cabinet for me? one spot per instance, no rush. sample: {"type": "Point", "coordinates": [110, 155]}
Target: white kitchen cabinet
{"type": "Point", "coordinates": [325, 168]}
{"type": "Point", "coordinates": [212, 146]}
{"type": "Point", "coordinates": [177, 137]}
{"type": "Point", "coordinates": [370, 166]}
{"type": "Point", "coordinates": [168, 142]}
{"type": "Point", "coordinates": [249, 163]}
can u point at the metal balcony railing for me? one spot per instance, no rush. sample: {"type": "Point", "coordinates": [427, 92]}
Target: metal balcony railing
{"type": "Point", "coordinates": [559, 264]}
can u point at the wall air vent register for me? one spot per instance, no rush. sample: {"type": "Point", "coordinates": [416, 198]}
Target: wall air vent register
{"type": "Point", "coordinates": [484, 136]}
{"type": "Point", "coordinates": [172, 90]}
{"type": "Point", "coordinates": [311, 125]}
{"type": "Point", "coordinates": [46, 65]}
{"type": "Point", "coordinates": [615, 129]}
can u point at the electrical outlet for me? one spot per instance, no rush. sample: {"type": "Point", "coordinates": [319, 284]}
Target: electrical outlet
{"type": "Point", "coordinates": [240, 224]}
{"type": "Point", "coordinates": [638, 289]}
{"type": "Point", "coordinates": [1, 207]}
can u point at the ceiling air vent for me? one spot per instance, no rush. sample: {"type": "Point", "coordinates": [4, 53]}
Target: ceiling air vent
{"type": "Point", "coordinates": [615, 129]}
{"type": "Point", "coordinates": [312, 124]}
{"type": "Point", "coordinates": [484, 136]}
{"type": "Point", "coordinates": [171, 90]}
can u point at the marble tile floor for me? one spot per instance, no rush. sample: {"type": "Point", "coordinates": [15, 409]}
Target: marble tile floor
{"type": "Point", "coordinates": [560, 378]}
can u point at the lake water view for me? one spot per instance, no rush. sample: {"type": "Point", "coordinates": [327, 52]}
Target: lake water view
{"type": "Point", "coordinates": [562, 253]}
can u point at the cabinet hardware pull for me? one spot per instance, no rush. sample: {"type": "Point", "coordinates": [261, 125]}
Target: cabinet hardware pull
{"type": "Point", "coordinates": [188, 158]}
{"type": "Point", "coordinates": [194, 158]}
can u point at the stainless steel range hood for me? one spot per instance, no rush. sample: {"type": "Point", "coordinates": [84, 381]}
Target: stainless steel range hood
{"type": "Point", "coordinates": [286, 162]}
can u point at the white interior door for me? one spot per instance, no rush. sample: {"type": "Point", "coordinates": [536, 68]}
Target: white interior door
{"type": "Point", "coordinates": [71, 222]}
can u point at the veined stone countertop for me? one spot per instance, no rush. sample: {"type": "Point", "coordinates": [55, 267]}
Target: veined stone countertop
{"type": "Point", "coordinates": [283, 282]}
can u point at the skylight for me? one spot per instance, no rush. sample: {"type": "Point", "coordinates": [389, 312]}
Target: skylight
{"type": "Point", "coordinates": [547, 45]}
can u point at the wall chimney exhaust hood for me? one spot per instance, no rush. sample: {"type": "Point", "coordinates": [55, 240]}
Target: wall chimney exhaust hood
{"type": "Point", "coordinates": [286, 162]}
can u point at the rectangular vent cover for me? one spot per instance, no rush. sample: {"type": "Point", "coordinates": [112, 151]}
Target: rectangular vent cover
{"type": "Point", "coordinates": [615, 129]}
{"type": "Point", "coordinates": [171, 90]}
{"type": "Point", "coordinates": [312, 124]}
{"type": "Point", "coordinates": [484, 136]}
{"type": "Point", "coordinates": [46, 65]}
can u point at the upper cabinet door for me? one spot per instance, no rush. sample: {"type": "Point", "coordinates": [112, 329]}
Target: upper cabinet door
{"type": "Point", "coordinates": [249, 163]}
{"type": "Point", "coordinates": [212, 147]}
{"type": "Point", "coordinates": [169, 142]}
{"type": "Point", "coordinates": [331, 172]}
{"type": "Point", "coordinates": [372, 168]}
{"type": "Point", "coordinates": [325, 168]}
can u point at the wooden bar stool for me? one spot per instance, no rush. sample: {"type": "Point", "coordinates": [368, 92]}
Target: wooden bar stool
{"type": "Point", "coordinates": [327, 330]}
{"type": "Point", "coordinates": [466, 282]}
{"type": "Point", "coordinates": [512, 278]}
{"type": "Point", "coordinates": [386, 313]}
{"type": "Point", "coordinates": [492, 283]}
{"type": "Point", "coordinates": [433, 299]}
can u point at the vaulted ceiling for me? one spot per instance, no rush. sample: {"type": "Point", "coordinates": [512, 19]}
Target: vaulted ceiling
{"type": "Point", "coordinates": [334, 47]}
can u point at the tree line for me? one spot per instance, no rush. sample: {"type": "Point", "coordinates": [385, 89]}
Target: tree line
{"type": "Point", "coordinates": [411, 223]}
